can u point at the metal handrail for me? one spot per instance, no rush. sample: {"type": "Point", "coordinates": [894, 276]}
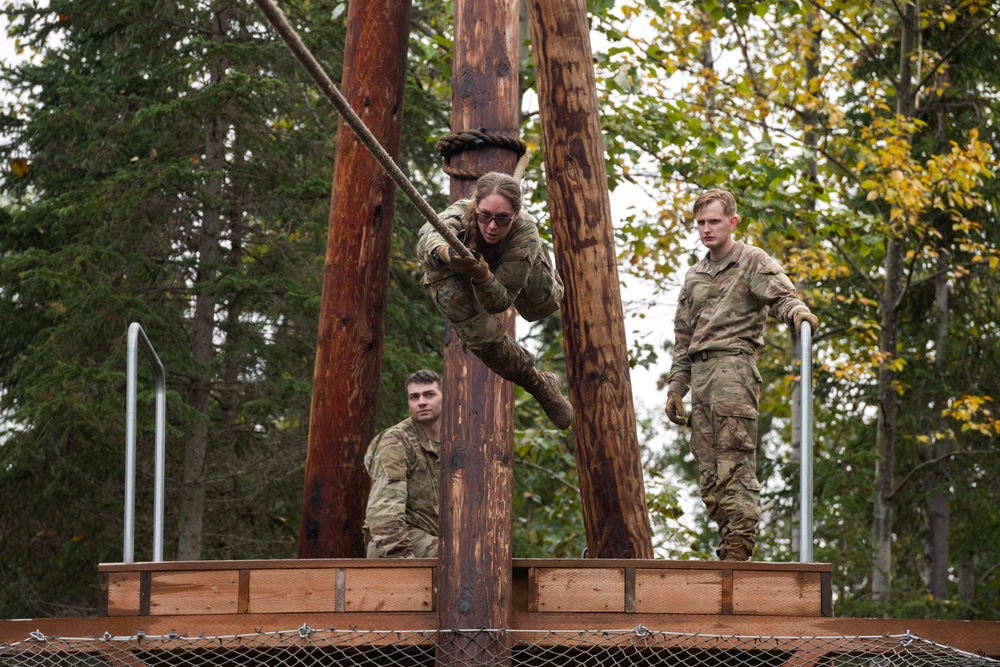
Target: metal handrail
{"type": "Point", "coordinates": [806, 454]}
{"type": "Point", "coordinates": [137, 336]}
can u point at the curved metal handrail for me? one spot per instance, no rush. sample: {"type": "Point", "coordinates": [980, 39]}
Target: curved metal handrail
{"type": "Point", "coordinates": [806, 454]}
{"type": "Point", "coordinates": [137, 336]}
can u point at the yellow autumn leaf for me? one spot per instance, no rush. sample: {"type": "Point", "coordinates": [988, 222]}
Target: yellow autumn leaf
{"type": "Point", "coordinates": [19, 166]}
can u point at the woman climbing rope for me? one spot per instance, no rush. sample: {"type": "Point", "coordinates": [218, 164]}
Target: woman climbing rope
{"type": "Point", "coordinates": [509, 265]}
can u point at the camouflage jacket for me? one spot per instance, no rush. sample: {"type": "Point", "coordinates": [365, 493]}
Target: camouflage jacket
{"type": "Point", "coordinates": [511, 260]}
{"type": "Point", "coordinates": [724, 307]}
{"type": "Point", "coordinates": [401, 520]}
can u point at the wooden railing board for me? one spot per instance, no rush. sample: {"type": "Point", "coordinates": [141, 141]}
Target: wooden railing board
{"type": "Point", "coordinates": [538, 585]}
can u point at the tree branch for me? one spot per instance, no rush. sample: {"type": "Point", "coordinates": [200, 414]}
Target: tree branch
{"type": "Point", "coordinates": [854, 267]}
{"type": "Point", "coordinates": [947, 54]}
{"type": "Point", "coordinates": [750, 69]}
{"type": "Point", "coordinates": [909, 274]}
{"type": "Point", "coordinates": [550, 473]}
{"type": "Point", "coordinates": [864, 45]}
{"type": "Point", "coordinates": [931, 462]}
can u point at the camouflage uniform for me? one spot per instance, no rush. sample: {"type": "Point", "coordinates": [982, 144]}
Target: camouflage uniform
{"type": "Point", "coordinates": [401, 520]}
{"type": "Point", "coordinates": [718, 329]}
{"type": "Point", "coordinates": [523, 274]}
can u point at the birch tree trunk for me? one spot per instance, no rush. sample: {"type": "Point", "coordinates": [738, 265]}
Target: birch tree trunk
{"type": "Point", "coordinates": [939, 503]}
{"type": "Point", "coordinates": [888, 396]}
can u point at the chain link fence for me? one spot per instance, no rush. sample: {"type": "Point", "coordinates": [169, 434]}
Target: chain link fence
{"type": "Point", "coordinates": [638, 647]}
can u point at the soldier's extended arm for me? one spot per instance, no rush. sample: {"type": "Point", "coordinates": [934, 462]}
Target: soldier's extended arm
{"type": "Point", "coordinates": [511, 274]}
{"type": "Point", "coordinates": [772, 286]}
{"type": "Point", "coordinates": [431, 239]}
{"type": "Point", "coordinates": [494, 295]}
{"type": "Point", "coordinates": [679, 378]}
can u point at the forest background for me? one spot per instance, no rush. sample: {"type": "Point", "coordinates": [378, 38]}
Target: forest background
{"type": "Point", "coordinates": [168, 163]}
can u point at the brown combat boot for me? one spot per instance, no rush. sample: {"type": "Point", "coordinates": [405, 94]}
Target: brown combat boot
{"type": "Point", "coordinates": [739, 551]}
{"type": "Point", "coordinates": [544, 386]}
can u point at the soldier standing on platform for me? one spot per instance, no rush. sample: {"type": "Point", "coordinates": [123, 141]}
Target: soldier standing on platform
{"type": "Point", "coordinates": [401, 520]}
{"type": "Point", "coordinates": [510, 266]}
{"type": "Point", "coordinates": [718, 330]}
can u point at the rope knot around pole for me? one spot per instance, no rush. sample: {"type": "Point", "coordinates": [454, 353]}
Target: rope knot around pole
{"type": "Point", "coordinates": [453, 144]}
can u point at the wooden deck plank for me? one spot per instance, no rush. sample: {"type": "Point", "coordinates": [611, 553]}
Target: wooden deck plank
{"type": "Point", "coordinates": [207, 592]}
{"type": "Point", "coordinates": [396, 563]}
{"type": "Point", "coordinates": [678, 591]}
{"type": "Point", "coordinates": [655, 564]}
{"type": "Point", "coordinates": [370, 589]}
{"type": "Point", "coordinates": [581, 589]}
{"type": "Point", "coordinates": [278, 564]}
{"type": "Point", "coordinates": [123, 594]}
{"type": "Point", "coordinates": [777, 593]}
{"type": "Point", "coordinates": [292, 590]}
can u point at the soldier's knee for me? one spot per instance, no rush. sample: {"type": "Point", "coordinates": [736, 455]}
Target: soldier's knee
{"type": "Point", "coordinates": [542, 295]}
{"type": "Point", "coordinates": [454, 298]}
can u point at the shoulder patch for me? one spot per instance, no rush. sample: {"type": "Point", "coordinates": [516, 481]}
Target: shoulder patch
{"type": "Point", "coordinates": [391, 453]}
{"type": "Point", "coordinates": [770, 266]}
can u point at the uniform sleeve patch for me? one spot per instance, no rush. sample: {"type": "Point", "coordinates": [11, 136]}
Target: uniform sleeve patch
{"type": "Point", "coordinates": [771, 267]}
{"type": "Point", "coordinates": [392, 455]}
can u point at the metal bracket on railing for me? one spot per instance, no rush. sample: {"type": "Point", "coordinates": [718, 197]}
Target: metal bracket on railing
{"type": "Point", "coordinates": [806, 454]}
{"type": "Point", "coordinates": [137, 336]}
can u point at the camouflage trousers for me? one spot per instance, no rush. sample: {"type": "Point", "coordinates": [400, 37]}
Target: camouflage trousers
{"type": "Point", "coordinates": [481, 332]}
{"type": "Point", "coordinates": [424, 544]}
{"type": "Point", "coordinates": [724, 399]}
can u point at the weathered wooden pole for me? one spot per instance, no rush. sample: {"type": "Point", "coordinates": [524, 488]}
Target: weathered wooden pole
{"type": "Point", "coordinates": [607, 448]}
{"type": "Point", "coordinates": [477, 459]}
{"type": "Point", "coordinates": [352, 317]}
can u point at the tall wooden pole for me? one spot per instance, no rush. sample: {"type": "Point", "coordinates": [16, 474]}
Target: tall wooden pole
{"type": "Point", "coordinates": [352, 318]}
{"type": "Point", "coordinates": [477, 458]}
{"type": "Point", "coordinates": [613, 496]}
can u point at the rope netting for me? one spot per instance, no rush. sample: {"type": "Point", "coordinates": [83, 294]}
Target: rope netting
{"type": "Point", "coordinates": [308, 647]}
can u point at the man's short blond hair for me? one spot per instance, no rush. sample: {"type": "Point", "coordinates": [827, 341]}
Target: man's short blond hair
{"type": "Point", "coordinates": [727, 200]}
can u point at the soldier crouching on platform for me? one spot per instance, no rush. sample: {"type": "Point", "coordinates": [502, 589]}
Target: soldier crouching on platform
{"type": "Point", "coordinates": [401, 520]}
{"type": "Point", "coordinates": [510, 266]}
{"type": "Point", "coordinates": [718, 329]}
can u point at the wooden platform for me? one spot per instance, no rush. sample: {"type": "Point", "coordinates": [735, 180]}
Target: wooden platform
{"type": "Point", "coordinates": [542, 586]}
{"type": "Point", "coordinates": [216, 598]}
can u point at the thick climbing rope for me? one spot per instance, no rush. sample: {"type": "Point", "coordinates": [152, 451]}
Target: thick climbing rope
{"type": "Point", "coordinates": [295, 44]}
{"type": "Point", "coordinates": [474, 140]}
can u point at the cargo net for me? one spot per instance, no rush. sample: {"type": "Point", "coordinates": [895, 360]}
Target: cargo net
{"type": "Point", "coordinates": [308, 647]}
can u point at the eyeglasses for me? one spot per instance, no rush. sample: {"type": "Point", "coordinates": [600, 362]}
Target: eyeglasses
{"type": "Point", "coordinates": [485, 218]}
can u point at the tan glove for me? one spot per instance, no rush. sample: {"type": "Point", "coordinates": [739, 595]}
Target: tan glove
{"type": "Point", "coordinates": [475, 267]}
{"type": "Point", "coordinates": [675, 408]}
{"type": "Point", "coordinates": [442, 254]}
{"type": "Point", "coordinates": [804, 315]}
